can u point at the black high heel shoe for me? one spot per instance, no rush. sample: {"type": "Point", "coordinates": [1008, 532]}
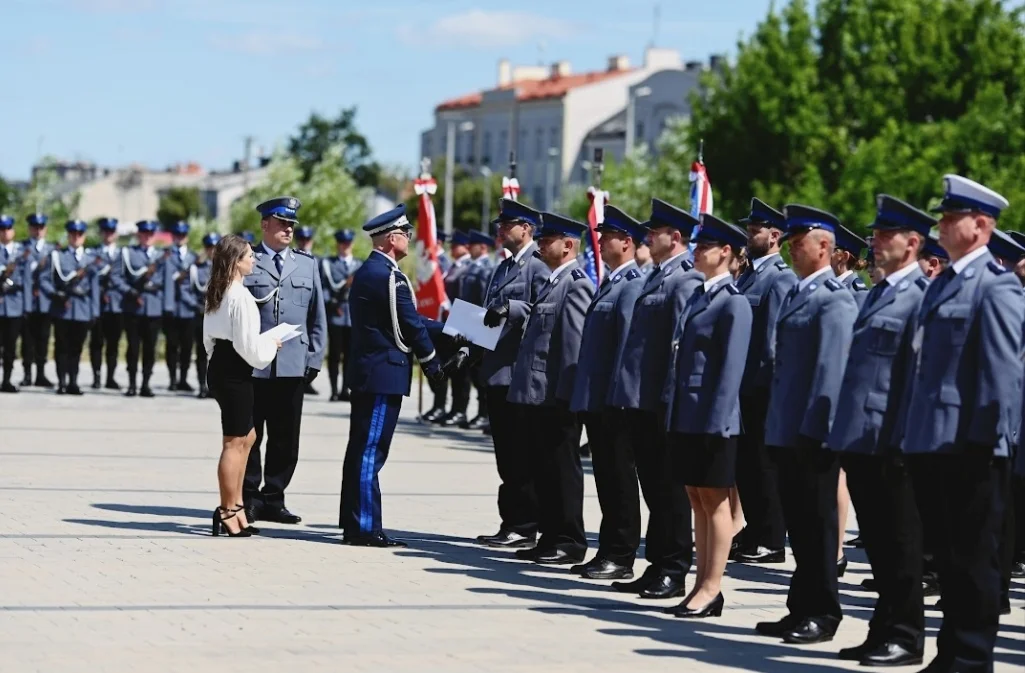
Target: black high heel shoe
{"type": "Point", "coordinates": [713, 609]}
{"type": "Point", "coordinates": [218, 523]}
{"type": "Point", "coordinates": [841, 566]}
{"type": "Point", "coordinates": [251, 528]}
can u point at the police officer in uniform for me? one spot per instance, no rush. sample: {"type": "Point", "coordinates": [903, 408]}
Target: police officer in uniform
{"type": "Point", "coordinates": [519, 277]}
{"type": "Point", "coordinates": [35, 338]}
{"type": "Point", "coordinates": [636, 411]}
{"type": "Point", "coordinates": [286, 286]}
{"type": "Point", "coordinates": [304, 243]}
{"type": "Point", "coordinates": [199, 280]}
{"type": "Point", "coordinates": [766, 283]}
{"type": "Point", "coordinates": [180, 309]}
{"type": "Point", "coordinates": [605, 328]}
{"type": "Point", "coordinates": [444, 261]}
{"type": "Point", "coordinates": [813, 335]}
{"type": "Point", "coordinates": [933, 258]}
{"type": "Point", "coordinates": [542, 381]}
{"type": "Point", "coordinates": [874, 384]}
{"type": "Point", "coordinates": [846, 262]}
{"type": "Point", "coordinates": [475, 287]}
{"type": "Point", "coordinates": [71, 282]}
{"type": "Point", "coordinates": [105, 334]}
{"type": "Point", "coordinates": [963, 418]}
{"type": "Point", "coordinates": [140, 281]}
{"type": "Point", "coordinates": [387, 332]}
{"type": "Point", "coordinates": [15, 297]}
{"type": "Point", "coordinates": [456, 281]}
{"type": "Point", "coordinates": [336, 278]}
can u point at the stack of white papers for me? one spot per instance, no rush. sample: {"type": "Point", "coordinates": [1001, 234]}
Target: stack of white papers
{"type": "Point", "coordinates": [283, 332]}
{"type": "Point", "coordinates": [467, 319]}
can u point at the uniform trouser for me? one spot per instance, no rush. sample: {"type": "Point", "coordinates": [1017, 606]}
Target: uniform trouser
{"type": "Point", "coordinates": [461, 390]}
{"type": "Point", "coordinates": [889, 525]}
{"type": "Point", "coordinates": [1018, 487]}
{"type": "Point", "coordinates": [615, 478]}
{"type": "Point", "coordinates": [338, 338]}
{"type": "Point", "coordinates": [961, 499]}
{"type": "Point", "coordinates": [476, 378]}
{"type": "Point", "coordinates": [371, 426]}
{"type": "Point", "coordinates": [178, 335]}
{"type": "Point", "coordinates": [142, 332]}
{"type": "Point", "coordinates": [69, 338]}
{"type": "Point", "coordinates": [669, 539]}
{"type": "Point", "coordinates": [517, 499]}
{"type": "Point", "coordinates": [278, 405]}
{"type": "Point", "coordinates": [35, 341]}
{"type": "Point", "coordinates": [758, 479]}
{"type": "Point", "coordinates": [1007, 543]}
{"type": "Point", "coordinates": [104, 338]}
{"type": "Point", "coordinates": [440, 390]}
{"type": "Point", "coordinates": [808, 477]}
{"type": "Point", "coordinates": [10, 330]}
{"type": "Point", "coordinates": [202, 359]}
{"type": "Point", "coordinates": [554, 445]}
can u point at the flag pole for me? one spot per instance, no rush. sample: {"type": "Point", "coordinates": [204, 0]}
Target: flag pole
{"type": "Point", "coordinates": [599, 165]}
{"type": "Point", "coordinates": [425, 167]}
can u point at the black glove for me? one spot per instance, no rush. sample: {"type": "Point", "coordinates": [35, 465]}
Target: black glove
{"type": "Point", "coordinates": [311, 374]}
{"type": "Point", "coordinates": [455, 363]}
{"type": "Point", "coordinates": [458, 341]}
{"type": "Point", "coordinates": [495, 316]}
{"type": "Point", "coordinates": [434, 374]}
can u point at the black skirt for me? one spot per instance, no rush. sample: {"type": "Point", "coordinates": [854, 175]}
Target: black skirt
{"type": "Point", "coordinates": [707, 461]}
{"type": "Point", "coordinates": [230, 379]}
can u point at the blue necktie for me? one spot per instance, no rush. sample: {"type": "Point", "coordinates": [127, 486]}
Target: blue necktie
{"type": "Point", "coordinates": [278, 263]}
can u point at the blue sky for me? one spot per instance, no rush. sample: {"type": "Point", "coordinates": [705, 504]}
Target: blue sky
{"type": "Point", "coordinates": [165, 81]}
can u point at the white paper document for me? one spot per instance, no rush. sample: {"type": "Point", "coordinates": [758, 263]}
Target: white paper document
{"type": "Point", "coordinates": [468, 320]}
{"type": "Point", "coordinates": [283, 332]}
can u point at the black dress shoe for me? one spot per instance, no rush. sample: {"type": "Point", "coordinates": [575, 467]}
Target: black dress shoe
{"type": "Point", "coordinates": [43, 382]}
{"type": "Point", "coordinates": [344, 396]}
{"type": "Point", "coordinates": [433, 415]}
{"type": "Point", "coordinates": [7, 387]}
{"type": "Point", "coordinates": [664, 586]}
{"type": "Point", "coordinates": [185, 387]}
{"type": "Point", "coordinates": [380, 540]}
{"type": "Point", "coordinates": [930, 588]}
{"type": "Point", "coordinates": [778, 628]}
{"type": "Point", "coordinates": [253, 511]}
{"type": "Point", "coordinates": [61, 390]}
{"type": "Point", "coordinates": [333, 398]}
{"type": "Point", "coordinates": [477, 423]}
{"type": "Point", "coordinates": [582, 567]}
{"type": "Point", "coordinates": [891, 654]}
{"type": "Point", "coordinates": [841, 566]}
{"type": "Point", "coordinates": [131, 392]}
{"type": "Point", "coordinates": [279, 514]}
{"type": "Point", "coordinates": [647, 578]}
{"type": "Point", "coordinates": [607, 570]}
{"type": "Point", "coordinates": [857, 652]}
{"type": "Point", "coordinates": [111, 384]}
{"type": "Point", "coordinates": [529, 554]}
{"type": "Point", "coordinates": [735, 546]}
{"type": "Point", "coordinates": [146, 392]}
{"type": "Point", "coordinates": [808, 632]}
{"type": "Point", "coordinates": [585, 450]}
{"type": "Point", "coordinates": [870, 584]}
{"type": "Point", "coordinates": [454, 419]}
{"type": "Point", "coordinates": [558, 557]}
{"type": "Point", "coordinates": [96, 381]}
{"type": "Point", "coordinates": [504, 539]}
{"type": "Point", "coordinates": [73, 389]}
{"type": "Point", "coordinates": [761, 555]}
{"type": "Point", "coordinates": [26, 381]}
{"type": "Point", "coordinates": [855, 542]}
{"type": "Point", "coordinates": [204, 393]}
{"type": "Point", "coordinates": [1018, 569]}
{"type": "Point", "coordinates": [712, 609]}
{"type": "Point", "coordinates": [310, 390]}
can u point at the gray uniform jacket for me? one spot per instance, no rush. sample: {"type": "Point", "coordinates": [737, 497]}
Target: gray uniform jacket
{"type": "Point", "coordinates": [709, 349]}
{"type": "Point", "coordinates": [39, 263]}
{"type": "Point", "coordinates": [546, 365]}
{"type": "Point", "coordinates": [605, 326]}
{"type": "Point", "coordinates": [519, 281]}
{"type": "Point", "coordinates": [813, 338]}
{"type": "Point", "coordinates": [179, 298]}
{"type": "Point", "coordinates": [111, 298]}
{"type": "Point", "coordinates": [967, 389]}
{"type": "Point", "coordinates": [857, 286]}
{"type": "Point", "coordinates": [765, 289]}
{"type": "Point", "coordinates": [475, 287]}
{"type": "Point", "coordinates": [15, 282]}
{"type": "Point", "coordinates": [643, 358]}
{"type": "Point", "coordinates": [335, 274]}
{"type": "Point", "coordinates": [72, 296]}
{"type": "Point", "coordinates": [878, 369]}
{"type": "Point", "coordinates": [140, 280]}
{"type": "Point", "coordinates": [293, 297]}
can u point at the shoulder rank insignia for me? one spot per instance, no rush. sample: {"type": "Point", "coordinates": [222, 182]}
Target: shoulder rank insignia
{"type": "Point", "coordinates": [833, 284]}
{"type": "Point", "coordinates": [922, 282]}
{"type": "Point", "coordinates": [686, 265]}
{"type": "Point", "coordinates": [304, 253]}
{"type": "Point", "coordinates": [993, 266]}
{"type": "Point", "coordinates": [633, 273]}
{"type": "Point", "coordinates": [733, 289]}
{"type": "Point", "coordinates": [780, 264]}
{"type": "Point", "coordinates": [859, 284]}
{"type": "Point", "coordinates": [578, 274]}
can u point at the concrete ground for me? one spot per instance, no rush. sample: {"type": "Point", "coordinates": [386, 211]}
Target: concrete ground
{"type": "Point", "coordinates": [107, 563]}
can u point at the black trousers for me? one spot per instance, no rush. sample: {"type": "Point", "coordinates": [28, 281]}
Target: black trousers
{"type": "Point", "coordinates": [888, 523]}
{"type": "Point", "coordinates": [554, 446]}
{"type": "Point", "coordinates": [758, 478]}
{"type": "Point", "coordinates": [202, 360]}
{"type": "Point", "coordinates": [142, 332]}
{"type": "Point", "coordinates": [669, 540]}
{"type": "Point", "coordinates": [461, 386]}
{"type": "Point", "coordinates": [10, 330]}
{"type": "Point", "coordinates": [961, 499]}
{"type": "Point", "coordinates": [69, 340]}
{"type": "Point", "coordinates": [477, 379]}
{"type": "Point", "coordinates": [1018, 488]}
{"type": "Point", "coordinates": [104, 338]}
{"type": "Point", "coordinates": [35, 340]}
{"type": "Point", "coordinates": [278, 406]}
{"type": "Point", "coordinates": [808, 477]}
{"type": "Point", "coordinates": [440, 390]}
{"type": "Point", "coordinates": [615, 478]}
{"type": "Point", "coordinates": [178, 335]}
{"type": "Point", "coordinates": [338, 339]}
{"type": "Point", "coordinates": [517, 499]}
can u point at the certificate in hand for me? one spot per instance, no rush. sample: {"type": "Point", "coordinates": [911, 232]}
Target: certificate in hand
{"type": "Point", "coordinates": [283, 332]}
{"type": "Point", "coordinates": [468, 320]}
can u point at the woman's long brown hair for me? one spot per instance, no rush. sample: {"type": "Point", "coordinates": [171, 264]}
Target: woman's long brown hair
{"type": "Point", "coordinates": [228, 253]}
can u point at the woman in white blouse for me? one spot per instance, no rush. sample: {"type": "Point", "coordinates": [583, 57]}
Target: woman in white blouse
{"type": "Point", "coordinates": [232, 339]}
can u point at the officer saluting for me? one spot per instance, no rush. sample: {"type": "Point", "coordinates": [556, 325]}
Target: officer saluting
{"type": "Point", "coordinates": [140, 281]}
{"type": "Point", "coordinates": [337, 274]}
{"type": "Point", "coordinates": [199, 280]}
{"type": "Point", "coordinates": [15, 297]}
{"type": "Point", "coordinates": [386, 332]}
{"type": "Point", "coordinates": [105, 335]}
{"type": "Point", "coordinates": [180, 308]}
{"type": "Point", "coordinates": [286, 286]}
{"type": "Point", "coordinates": [963, 419]}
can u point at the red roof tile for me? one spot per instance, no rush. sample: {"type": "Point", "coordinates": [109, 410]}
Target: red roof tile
{"type": "Point", "coordinates": [552, 87]}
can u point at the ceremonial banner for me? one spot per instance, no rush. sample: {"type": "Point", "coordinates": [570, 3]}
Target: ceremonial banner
{"type": "Point", "coordinates": [700, 190]}
{"type": "Point", "coordinates": [595, 216]}
{"type": "Point", "coordinates": [430, 290]}
{"type": "Point", "coordinates": [511, 191]}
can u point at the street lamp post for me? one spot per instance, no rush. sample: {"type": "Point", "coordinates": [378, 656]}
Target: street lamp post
{"type": "Point", "coordinates": [550, 179]}
{"type": "Point", "coordinates": [631, 116]}
{"type": "Point", "coordinates": [485, 207]}
{"type": "Point", "coordinates": [450, 160]}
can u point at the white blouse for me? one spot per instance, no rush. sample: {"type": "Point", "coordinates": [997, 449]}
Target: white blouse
{"type": "Point", "coordinates": [237, 319]}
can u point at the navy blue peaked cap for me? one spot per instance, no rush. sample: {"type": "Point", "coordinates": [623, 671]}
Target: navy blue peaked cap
{"type": "Point", "coordinates": [667, 215]}
{"type": "Point", "coordinates": [37, 219]}
{"type": "Point", "coordinates": [1005, 247]}
{"type": "Point", "coordinates": [720, 232]}
{"type": "Point", "coordinates": [6, 222]}
{"type": "Point", "coordinates": [211, 239]}
{"type": "Point", "coordinates": [514, 211]}
{"type": "Point", "coordinates": [849, 241]}
{"type": "Point", "coordinates": [553, 224]}
{"type": "Point", "coordinates": [616, 220]}
{"type": "Point", "coordinates": [305, 233]}
{"type": "Point", "coordinates": [76, 226]}
{"type": "Point", "coordinates": [285, 208]}
{"type": "Point", "coordinates": [345, 236]}
{"type": "Point", "coordinates": [893, 214]}
{"type": "Point", "coordinates": [146, 226]}
{"type": "Point", "coordinates": [477, 236]}
{"type": "Point", "coordinates": [934, 249]}
{"type": "Point", "coordinates": [763, 213]}
{"type": "Point", "coordinates": [179, 228]}
{"type": "Point", "coordinates": [107, 223]}
{"type": "Point", "coordinates": [389, 221]}
{"type": "Point", "coordinates": [460, 238]}
{"type": "Point", "coordinates": [800, 217]}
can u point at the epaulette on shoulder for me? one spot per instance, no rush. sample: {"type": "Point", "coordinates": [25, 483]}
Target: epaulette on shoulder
{"type": "Point", "coordinates": [733, 289]}
{"type": "Point", "coordinates": [632, 274]}
{"type": "Point", "coordinates": [996, 268]}
{"type": "Point", "coordinates": [578, 274]}
{"type": "Point", "coordinates": [859, 284]}
{"type": "Point", "coordinates": [686, 265]}
{"type": "Point", "coordinates": [833, 284]}
{"type": "Point", "coordinates": [781, 265]}
{"type": "Point", "coordinates": [305, 253]}
{"type": "Point", "coordinates": [922, 282]}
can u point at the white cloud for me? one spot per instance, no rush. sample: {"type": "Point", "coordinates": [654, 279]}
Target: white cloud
{"type": "Point", "coordinates": [266, 43]}
{"type": "Point", "coordinates": [481, 28]}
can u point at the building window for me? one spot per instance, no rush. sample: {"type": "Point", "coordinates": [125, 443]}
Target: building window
{"type": "Point", "coordinates": [539, 196]}
{"type": "Point", "coordinates": [639, 136]}
{"type": "Point", "coordinates": [521, 147]}
{"type": "Point", "coordinates": [485, 155]}
{"type": "Point", "coordinates": [539, 142]}
{"type": "Point", "coordinates": [503, 147]}
{"type": "Point", "coordinates": [553, 137]}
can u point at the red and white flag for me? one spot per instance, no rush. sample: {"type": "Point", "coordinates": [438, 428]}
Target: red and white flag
{"type": "Point", "coordinates": [430, 290]}
{"type": "Point", "coordinates": [595, 216]}
{"type": "Point", "coordinates": [700, 190]}
{"type": "Point", "coordinates": [511, 191]}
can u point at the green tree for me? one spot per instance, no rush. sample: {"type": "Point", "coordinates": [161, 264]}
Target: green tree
{"type": "Point", "coordinates": [180, 203]}
{"type": "Point", "coordinates": [319, 134]}
{"type": "Point", "coordinates": [46, 194]}
{"type": "Point", "coordinates": [7, 196]}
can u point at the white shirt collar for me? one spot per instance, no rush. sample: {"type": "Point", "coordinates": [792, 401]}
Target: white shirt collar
{"type": "Point", "coordinates": [671, 259]}
{"type": "Point", "coordinates": [621, 268]}
{"type": "Point", "coordinates": [712, 282]}
{"type": "Point", "coordinates": [464, 258]}
{"type": "Point", "coordinates": [390, 260]}
{"type": "Point", "coordinates": [757, 263]}
{"type": "Point", "coordinates": [111, 248]}
{"type": "Point", "coordinates": [805, 282]}
{"type": "Point", "coordinates": [555, 274]}
{"type": "Point", "coordinates": [346, 258]}
{"type": "Point", "coordinates": [844, 275]}
{"type": "Point", "coordinates": [38, 243]}
{"type": "Point", "coordinates": [900, 274]}
{"type": "Point", "coordinates": [267, 250]}
{"type": "Point", "coordinates": [519, 255]}
{"type": "Point", "coordinates": [961, 264]}
{"type": "Point", "coordinates": [183, 250]}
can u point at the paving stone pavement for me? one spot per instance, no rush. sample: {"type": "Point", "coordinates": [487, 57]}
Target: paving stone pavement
{"type": "Point", "coordinates": [107, 563]}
